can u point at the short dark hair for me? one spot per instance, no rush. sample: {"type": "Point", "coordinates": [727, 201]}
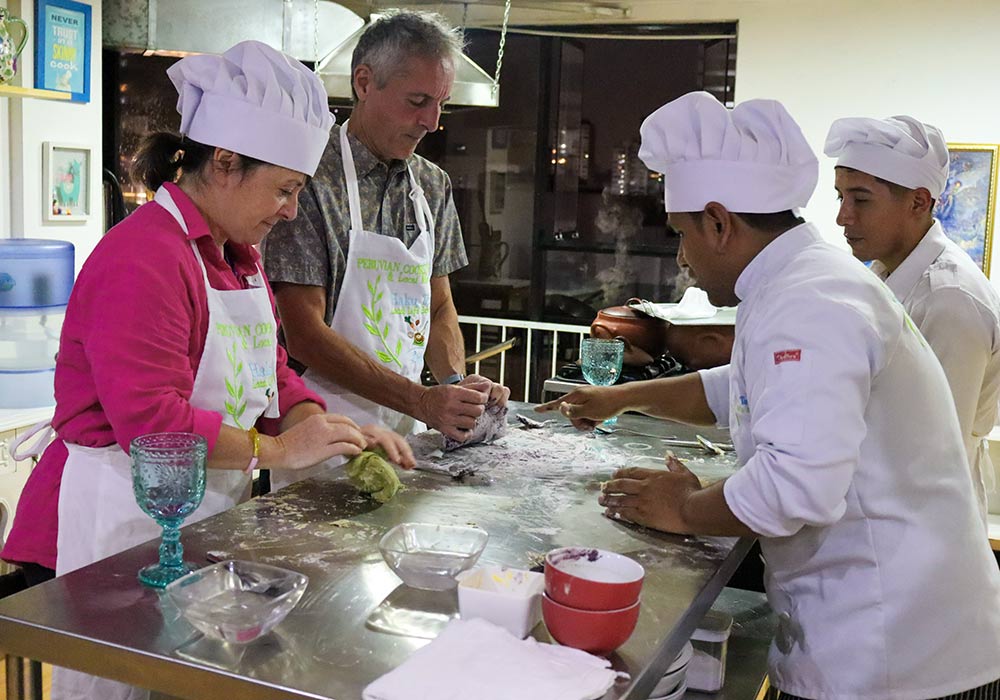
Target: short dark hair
{"type": "Point", "coordinates": [768, 223]}
{"type": "Point", "coordinates": [399, 34]}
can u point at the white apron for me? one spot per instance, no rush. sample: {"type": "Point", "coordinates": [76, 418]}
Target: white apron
{"type": "Point", "coordinates": [231, 358]}
{"type": "Point", "coordinates": [383, 309]}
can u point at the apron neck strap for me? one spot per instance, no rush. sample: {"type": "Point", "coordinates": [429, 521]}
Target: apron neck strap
{"type": "Point", "coordinates": [351, 176]}
{"type": "Point", "coordinates": [422, 210]}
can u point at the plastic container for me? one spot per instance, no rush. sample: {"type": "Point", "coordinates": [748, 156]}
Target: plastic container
{"type": "Point", "coordinates": [36, 277]}
{"type": "Point", "coordinates": [707, 669]}
{"type": "Point", "coordinates": [27, 388]}
{"type": "Point", "coordinates": [510, 598]}
{"type": "Point", "coordinates": [29, 338]}
{"type": "Point", "coordinates": [35, 273]}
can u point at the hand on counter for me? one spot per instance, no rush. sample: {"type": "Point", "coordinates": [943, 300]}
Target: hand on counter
{"type": "Point", "coordinates": [313, 440]}
{"type": "Point", "coordinates": [651, 497]}
{"type": "Point", "coordinates": [453, 408]}
{"type": "Point", "coordinates": [396, 449]}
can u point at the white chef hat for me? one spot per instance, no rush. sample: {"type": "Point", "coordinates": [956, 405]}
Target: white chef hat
{"type": "Point", "coordinates": [256, 101]}
{"type": "Point", "coordinates": [752, 159]}
{"type": "Point", "coordinates": [898, 149]}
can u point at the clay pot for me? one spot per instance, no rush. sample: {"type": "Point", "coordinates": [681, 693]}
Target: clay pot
{"type": "Point", "coordinates": [696, 346]}
{"type": "Point", "coordinates": [639, 331]}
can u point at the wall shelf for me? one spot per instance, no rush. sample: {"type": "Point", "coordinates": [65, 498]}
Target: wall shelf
{"type": "Point", "coordinates": [638, 250]}
{"type": "Point", "coordinates": [17, 91]}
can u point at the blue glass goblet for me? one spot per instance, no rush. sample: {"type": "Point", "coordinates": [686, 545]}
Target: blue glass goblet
{"type": "Point", "coordinates": [168, 478]}
{"type": "Point", "coordinates": [601, 362]}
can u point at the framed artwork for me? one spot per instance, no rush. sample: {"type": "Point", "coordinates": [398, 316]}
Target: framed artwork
{"type": "Point", "coordinates": [62, 47]}
{"type": "Point", "coordinates": [66, 180]}
{"type": "Point", "coordinates": [965, 208]}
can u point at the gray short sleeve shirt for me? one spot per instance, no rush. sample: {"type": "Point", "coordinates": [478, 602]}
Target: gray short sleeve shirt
{"type": "Point", "coordinates": [312, 249]}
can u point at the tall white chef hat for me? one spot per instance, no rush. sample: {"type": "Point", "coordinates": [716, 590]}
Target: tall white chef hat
{"type": "Point", "coordinates": [256, 101]}
{"type": "Point", "coordinates": [752, 159]}
{"type": "Point", "coordinates": [898, 149]}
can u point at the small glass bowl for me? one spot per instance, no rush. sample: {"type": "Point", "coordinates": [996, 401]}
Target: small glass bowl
{"type": "Point", "coordinates": [429, 556]}
{"type": "Point", "coordinates": [237, 601]}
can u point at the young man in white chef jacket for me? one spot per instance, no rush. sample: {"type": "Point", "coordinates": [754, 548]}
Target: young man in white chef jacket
{"type": "Point", "coordinates": [889, 175]}
{"type": "Point", "coordinates": [852, 471]}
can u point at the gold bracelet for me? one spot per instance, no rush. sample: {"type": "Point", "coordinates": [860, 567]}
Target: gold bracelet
{"type": "Point", "coordinates": [255, 446]}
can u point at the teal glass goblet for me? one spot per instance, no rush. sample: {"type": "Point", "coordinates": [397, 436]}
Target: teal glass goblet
{"type": "Point", "coordinates": [168, 479]}
{"type": "Point", "coordinates": [601, 362]}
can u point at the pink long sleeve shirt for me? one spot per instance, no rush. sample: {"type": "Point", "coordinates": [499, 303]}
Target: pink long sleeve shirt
{"type": "Point", "coordinates": [130, 347]}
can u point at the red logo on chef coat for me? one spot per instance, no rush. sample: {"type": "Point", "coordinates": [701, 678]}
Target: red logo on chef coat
{"type": "Point", "coordinates": [787, 356]}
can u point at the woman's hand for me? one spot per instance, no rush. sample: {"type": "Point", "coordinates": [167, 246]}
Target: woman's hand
{"type": "Point", "coordinates": [397, 450]}
{"type": "Point", "coordinates": [316, 439]}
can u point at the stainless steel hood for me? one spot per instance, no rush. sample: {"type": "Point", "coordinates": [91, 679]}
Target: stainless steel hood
{"type": "Point", "coordinates": [305, 29]}
{"type": "Point", "coordinates": [473, 86]}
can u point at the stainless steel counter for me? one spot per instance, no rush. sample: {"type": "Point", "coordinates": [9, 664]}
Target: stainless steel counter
{"type": "Point", "coordinates": [535, 490]}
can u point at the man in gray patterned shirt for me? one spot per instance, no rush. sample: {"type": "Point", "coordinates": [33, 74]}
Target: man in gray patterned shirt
{"type": "Point", "coordinates": [362, 286]}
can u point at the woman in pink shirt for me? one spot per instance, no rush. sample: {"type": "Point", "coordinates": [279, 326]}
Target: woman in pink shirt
{"type": "Point", "coordinates": [171, 324]}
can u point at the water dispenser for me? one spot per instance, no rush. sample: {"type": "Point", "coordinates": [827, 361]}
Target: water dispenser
{"type": "Point", "coordinates": [36, 277]}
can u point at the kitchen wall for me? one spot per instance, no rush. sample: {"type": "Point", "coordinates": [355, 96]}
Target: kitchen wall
{"type": "Point", "coordinates": [824, 60]}
{"type": "Point", "coordinates": [25, 124]}
{"type": "Point", "coordinates": [936, 61]}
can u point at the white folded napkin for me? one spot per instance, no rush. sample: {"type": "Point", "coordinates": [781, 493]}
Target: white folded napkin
{"type": "Point", "coordinates": [476, 660]}
{"type": "Point", "coordinates": [694, 304]}
{"type": "Point", "coordinates": [694, 308]}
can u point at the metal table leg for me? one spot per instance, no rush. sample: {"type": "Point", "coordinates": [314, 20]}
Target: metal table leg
{"type": "Point", "coordinates": [15, 678]}
{"type": "Point", "coordinates": [33, 679]}
{"type": "Point", "coordinates": [24, 678]}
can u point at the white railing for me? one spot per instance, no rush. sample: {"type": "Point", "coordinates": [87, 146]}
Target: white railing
{"type": "Point", "coordinates": [536, 333]}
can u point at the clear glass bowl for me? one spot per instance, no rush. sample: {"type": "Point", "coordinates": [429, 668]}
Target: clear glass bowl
{"type": "Point", "coordinates": [237, 601]}
{"type": "Point", "coordinates": [430, 556]}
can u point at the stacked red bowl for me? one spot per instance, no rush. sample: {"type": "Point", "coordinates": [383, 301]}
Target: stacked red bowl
{"type": "Point", "coordinates": [591, 599]}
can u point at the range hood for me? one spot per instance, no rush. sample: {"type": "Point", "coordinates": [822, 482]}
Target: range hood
{"type": "Point", "coordinates": [473, 86]}
{"type": "Point", "coordinates": [305, 29]}
{"type": "Point", "coordinates": [315, 31]}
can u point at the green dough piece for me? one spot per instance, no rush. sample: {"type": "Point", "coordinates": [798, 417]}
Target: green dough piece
{"type": "Point", "coordinates": [371, 473]}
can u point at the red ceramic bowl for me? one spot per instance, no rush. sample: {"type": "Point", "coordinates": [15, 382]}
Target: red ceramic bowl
{"type": "Point", "coordinates": [596, 631]}
{"type": "Point", "coordinates": [592, 579]}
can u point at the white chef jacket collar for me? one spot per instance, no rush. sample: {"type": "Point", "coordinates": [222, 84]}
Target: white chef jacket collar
{"type": "Point", "coordinates": [774, 255]}
{"type": "Point", "coordinates": [904, 278]}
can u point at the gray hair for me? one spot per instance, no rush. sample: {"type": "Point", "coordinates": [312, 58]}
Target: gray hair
{"type": "Point", "coordinates": [400, 34]}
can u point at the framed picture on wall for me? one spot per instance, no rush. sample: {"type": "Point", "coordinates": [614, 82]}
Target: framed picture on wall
{"type": "Point", "coordinates": [62, 47]}
{"type": "Point", "coordinates": [965, 208]}
{"type": "Point", "coordinates": [66, 180]}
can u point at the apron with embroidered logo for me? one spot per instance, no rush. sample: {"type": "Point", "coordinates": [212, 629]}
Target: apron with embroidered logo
{"type": "Point", "coordinates": [383, 309]}
{"type": "Point", "coordinates": [98, 514]}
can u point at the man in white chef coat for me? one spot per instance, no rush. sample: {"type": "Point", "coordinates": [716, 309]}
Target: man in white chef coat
{"type": "Point", "coordinates": [852, 470]}
{"type": "Point", "coordinates": [889, 174]}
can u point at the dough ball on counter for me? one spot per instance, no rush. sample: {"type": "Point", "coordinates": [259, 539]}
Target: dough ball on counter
{"type": "Point", "coordinates": [372, 474]}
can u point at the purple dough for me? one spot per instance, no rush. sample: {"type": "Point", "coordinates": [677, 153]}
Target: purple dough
{"type": "Point", "coordinates": [489, 427]}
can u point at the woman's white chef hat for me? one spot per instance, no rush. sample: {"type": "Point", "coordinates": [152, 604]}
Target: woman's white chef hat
{"type": "Point", "coordinates": [255, 101]}
{"type": "Point", "coordinates": [752, 159]}
{"type": "Point", "coordinates": [898, 149]}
